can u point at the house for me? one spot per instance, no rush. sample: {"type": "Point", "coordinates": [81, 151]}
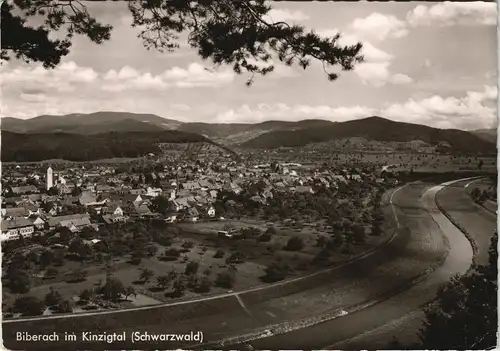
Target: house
{"type": "Point", "coordinates": [14, 212]}
{"type": "Point", "coordinates": [114, 210]}
{"type": "Point", "coordinates": [91, 242]}
{"type": "Point", "coordinates": [137, 191]}
{"type": "Point", "coordinates": [356, 177]}
{"type": "Point", "coordinates": [139, 210]}
{"type": "Point", "coordinates": [27, 189]}
{"type": "Point", "coordinates": [205, 184]}
{"type": "Point", "coordinates": [267, 193]}
{"type": "Point", "coordinates": [235, 188]}
{"type": "Point", "coordinates": [10, 201]}
{"type": "Point", "coordinates": [191, 186]}
{"type": "Point", "coordinates": [339, 178]}
{"type": "Point", "coordinates": [211, 211]}
{"type": "Point", "coordinates": [258, 199]}
{"type": "Point", "coordinates": [68, 200]}
{"type": "Point", "coordinates": [131, 198]}
{"type": "Point", "coordinates": [304, 189]}
{"type": "Point", "coordinates": [87, 198]}
{"type": "Point", "coordinates": [33, 197]}
{"type": "Point", "coordinates": [12, 229]}
{"type": "Point", "coordinates": [38, 222]}
{"type": "Point", "coordinates": [101, 188]}
{"type": "Point", "coordinates": [63, 188]}
{"type": "Point", "coordinates": [153, 192]}
{"type": "Point", "coordinates": [75, 225]}
{"type": "Point", "coordinates": [171, 219]}
{"type": "Point", "coordinates": [55, 222]}
{"type": "Point", "coordinates": [193, 214]}
{"type": "Point", "coordinates": [113, 218]}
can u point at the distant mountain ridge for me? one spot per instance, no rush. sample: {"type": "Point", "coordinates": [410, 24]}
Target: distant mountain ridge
{"type": "Point", "coordinates": [92, 123]}
{"type": "Point", "coordinates": [268, 134]}
{"type": "Point", "coordinates": [103, 122]}
{"type": "Point", "coordinates": [374, 128]}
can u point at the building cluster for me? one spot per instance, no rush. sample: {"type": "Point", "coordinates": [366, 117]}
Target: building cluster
{"type": "Point", "coordinates": [36, 200]}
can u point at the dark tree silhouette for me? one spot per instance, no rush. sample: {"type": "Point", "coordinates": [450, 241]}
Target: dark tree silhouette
{"type": "Point", "coordinates": [468, 305]}
{"type": "Point", "coordinates": [236, 33]}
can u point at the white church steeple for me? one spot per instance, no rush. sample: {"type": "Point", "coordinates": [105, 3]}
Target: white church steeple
{"type": "Point", "coordinates": [50, 181]}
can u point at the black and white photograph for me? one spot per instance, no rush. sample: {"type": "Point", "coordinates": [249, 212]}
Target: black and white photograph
{"type": "Point", "coordinates": [248, 175]}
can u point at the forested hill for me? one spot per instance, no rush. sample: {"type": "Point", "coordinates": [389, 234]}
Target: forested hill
{"type": "Point", "coordinates": [75, 147]}
{"type": "Point", "coordinates": [374, 128]}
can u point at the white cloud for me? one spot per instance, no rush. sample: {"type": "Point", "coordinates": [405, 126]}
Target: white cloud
{"type": "Point", "coordinates": [472, 111]}
{"type": "Point", "coordinates": [400, 78]}
{"type": "Point", "coordinates": [180, 107]}
{"type": "Point", "coordinates": [490, 93]}
{"type": "Point", "coordinates": [62, 78]}
{"type": "Point", "coordinates": [379, 26]}
{"type": "Point", "coordinates": [453, 13]}
{"type": "Point", "coordinates": [33, 97]}
{"type": "Point", "coordinates": [283, 15]}
{"type": "Point", "coordinates": [195, 75]}
{"type": "Point", "coordinates": [72, 72]}
{"type": "Point", "coordinates": [125, 72]}
{"type": "Point", "coordinates": [378, 74]}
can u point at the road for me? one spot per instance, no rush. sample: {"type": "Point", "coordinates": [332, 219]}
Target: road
{"type": "Point", "coordinates": [310, 301]}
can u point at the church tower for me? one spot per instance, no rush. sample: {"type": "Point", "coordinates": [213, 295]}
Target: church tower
{"type": "Point", "coordinates": [50, 182]}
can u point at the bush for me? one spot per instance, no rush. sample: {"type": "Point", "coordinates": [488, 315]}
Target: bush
{"type": "Point", "coordinates": [236, 257]}
{"type": "Point", "coordinates": [219, 253]}
{"type": "Point", "coordinates": [86, 295]}
{"type": "Point", "coordinates": [19, 283]}
{"type": "Point", "coordinates": [225, 280]}
{"type": "Point", "coordinates": [28, 306]}
{"type": "Point", "coordinates": [271, 231]}
{"type": "Point", "coordinates": [113, 289]}
{"type": "Point", "coordinates": [321, 257]}
{"type": "Point", "coordinates": [266, 237]}
{"type": "Point", "coordinates": [275, 273]}
{"type": "Point", "coordinates": [321, 241]}
{"type": "Point", "coordinates": [294, 244]}
{"type": "Point", "coordinates": [51, 272]}
{"type": "Point", "coordinates": [203, 285]}
{"type": "Point", "coordinates": [52, 298]}
{"type": "Point", "coordinates": [188, 245]}
{"type": "Point", "coordinates": [192, 268]}
{"type": "Point", "coordinates": [171, 254]}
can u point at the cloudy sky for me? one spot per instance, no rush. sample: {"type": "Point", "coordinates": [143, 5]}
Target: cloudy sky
{"type": "Point", "coordinates": [427, 63]}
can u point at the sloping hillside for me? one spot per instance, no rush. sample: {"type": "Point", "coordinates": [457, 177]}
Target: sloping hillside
{"type": "Point", "coordinates": [374, 128]}
{"type": "Point", "coordinates": [487, 134]}
{"type": "Point", "coordinates": [75, 147]}
{"type": "Point", "coordinates": [233, 133]}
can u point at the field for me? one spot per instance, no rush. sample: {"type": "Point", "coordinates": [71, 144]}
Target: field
{"type": "Point", "coordinates": [404, 161]}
